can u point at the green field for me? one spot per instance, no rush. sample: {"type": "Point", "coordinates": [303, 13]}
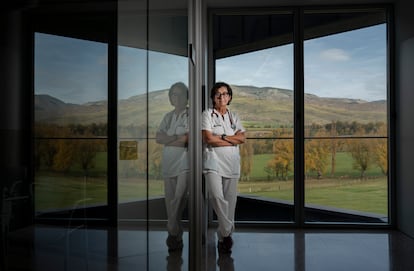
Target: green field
{"type": "Point", "coordinates": [343, 167]}
{"type": "Point", "coordinates": [358, 195]}
{"type": "Point", "coordinates": [344, 190]}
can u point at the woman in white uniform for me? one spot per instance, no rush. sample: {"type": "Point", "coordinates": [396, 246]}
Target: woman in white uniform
{"type": "Point", "coordinates": [222, 133]}
{"type": "Point", "coordinates": [173, 134]}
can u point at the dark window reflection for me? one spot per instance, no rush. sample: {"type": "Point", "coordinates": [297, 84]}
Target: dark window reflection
{"type": "Point", "coordinates": [70, 129]}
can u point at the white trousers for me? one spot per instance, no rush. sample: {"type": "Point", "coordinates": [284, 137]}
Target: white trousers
{"type": "Point", "coordinates": [175, 201]}
{"type": "Point", "coordinates": [223, 197]}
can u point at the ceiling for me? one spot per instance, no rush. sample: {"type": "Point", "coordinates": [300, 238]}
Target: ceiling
{"type": "Point", "coordinates": [178, 4]}
{"type": "Point", "coordinates": [87, 19]}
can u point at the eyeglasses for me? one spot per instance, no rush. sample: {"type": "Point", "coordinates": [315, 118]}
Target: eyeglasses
{"type": "Point", "coordinates": [218, 94]}
{"type": "Point", "coordinates": [176, 94]}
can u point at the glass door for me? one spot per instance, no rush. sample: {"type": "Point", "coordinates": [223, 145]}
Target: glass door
{"type": "Point", "coordinates": [132, 135]}
{"type": "Point", "coordinates": [153, 127]}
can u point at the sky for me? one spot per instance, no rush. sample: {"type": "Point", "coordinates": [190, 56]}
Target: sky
{"type": "Point", "coordinates": [346, 65]}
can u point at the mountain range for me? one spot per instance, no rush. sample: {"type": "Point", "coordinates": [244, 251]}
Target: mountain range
{"type": "Point", "coordinates": [256, 106]}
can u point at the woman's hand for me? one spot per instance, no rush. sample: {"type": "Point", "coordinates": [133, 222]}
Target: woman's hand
{"type": "Point", "coordinates": [220, 141]}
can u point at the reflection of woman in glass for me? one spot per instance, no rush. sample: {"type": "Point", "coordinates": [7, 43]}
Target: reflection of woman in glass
{"type": "Point", "coordinates": [173, 134]}
{"type": "Point", "coordinates": [222, 134]}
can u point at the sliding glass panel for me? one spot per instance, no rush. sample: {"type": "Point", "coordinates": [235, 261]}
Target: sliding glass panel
{"type": "Point", "coordinates": [70, 126]}
{"type": "Point", "coordinates": [254, 53]}
{"type": "Point", "coordinates": [132, 116]}
{"type": "Point", "coordinates": [346, 119]}
{"type": "Point", "coordinates": [152, 130]}
{"type": "Point", "coordinates": [132, 132]}
{"type": "Point", "coordinates": [168, 128]}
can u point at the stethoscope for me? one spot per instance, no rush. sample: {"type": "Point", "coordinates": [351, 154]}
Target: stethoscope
{"type": "Point", "coordinates": [233, 126]}
{"type": "Point", "coordinates": [182, 113]}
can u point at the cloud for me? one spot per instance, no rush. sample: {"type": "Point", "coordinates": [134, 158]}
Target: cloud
{"type": "Point", "coordinates": [335, 54]}
{"type": "Point", "coordinates": [272, 67]}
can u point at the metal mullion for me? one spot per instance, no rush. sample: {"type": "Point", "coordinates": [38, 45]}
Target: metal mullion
{"type": "Point", "coordinates": [112, 161]}
{"type": "Point", "coordinates": [112, 123]}
{"type": "Point", "coordinates": [392, 210]}
{"type": "Point", "coordinates": [196, 75]}
{"type": "Point", "coordinates": [299, 147]}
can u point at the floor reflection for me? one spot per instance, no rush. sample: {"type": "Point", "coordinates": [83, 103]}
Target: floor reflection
{"type": "Point", "coordinates": [175, 260]}
{"type": "Point", "coordinates": [225, 262]}
{"type": "Point", "coordinates": [54, 248]}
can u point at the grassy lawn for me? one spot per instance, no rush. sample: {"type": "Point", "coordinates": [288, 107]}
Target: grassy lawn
{"type": "Point", "coordinates": [360, 195]}
{"type": "Point", "coordinates": [57, 191]}
{"type": "Point", "coordinates": [343, 168]}
{"type": "Point", "coordinates": [344, 190]}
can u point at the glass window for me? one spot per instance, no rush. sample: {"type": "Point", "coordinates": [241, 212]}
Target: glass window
{"type": "Point", "coordinates": [345, 174]}
{"type": "Point", "coordinates": [254, 53]}
{"type": "Point", "coordinates": [346, 119]}
{"type": "Point", "coordinates": [153, 82]}
{"type": "Point", "coordinates": [70, 124]}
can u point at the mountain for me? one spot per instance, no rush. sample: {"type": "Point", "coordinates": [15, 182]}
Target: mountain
{"type": "Point", "coordinates": [274, 106]}
{"type": "Point", "coordinates": [256, 106]}
{"type": "Point", "coordinates": [49, 109]}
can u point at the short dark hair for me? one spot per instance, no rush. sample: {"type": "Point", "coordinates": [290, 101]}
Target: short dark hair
{"type": "Point", "coordinates": [181, 86]}
{"type": "Point", "coordinates": [218, 85]}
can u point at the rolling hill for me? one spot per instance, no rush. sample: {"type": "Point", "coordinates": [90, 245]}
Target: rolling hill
{"type": "Point", "coordinates": [256, 106]}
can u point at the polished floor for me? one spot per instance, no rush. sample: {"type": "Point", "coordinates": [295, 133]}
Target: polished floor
{"type": "Point", "coordinates": [54, 248]}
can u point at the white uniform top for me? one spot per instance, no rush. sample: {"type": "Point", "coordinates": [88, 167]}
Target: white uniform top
{"type": "Point", "coordinates": [225, 161]}
{"type": "Point", "coordinates": [174, 159]}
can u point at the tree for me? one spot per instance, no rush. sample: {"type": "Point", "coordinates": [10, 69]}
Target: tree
{"type": "Point", "coordinates": [381, 155]}
{"type": "Point", "coordinates": [45, 148]}
{"type": "Point", "coordinates": [246, 152]}
{"type": "Point", "coordinates": [155, 155]}
{"type": "Point", "coordinates": [282, 162]}
{"type": "Point", "coordinates": [48, 151]}
{"type": "Point", "coordinates": [361, 154]}
{"type": "Point", "coordinates": [275, 168]}
{"type": "Point", "coordinates": [361, 150]}
{"type": "Point", "coordinates": [64, 157]}
{"type": "Point", "coordinates": [316, 156]}
{"type": "Point", "coordinates": [262, 146]}
{"type": "Point", "coordinates": [85, 153]}
{"type": "Point", "coordinates": [317, 150]}
{"type": "Point", "coordinates": [334, 146]}
{"type": "Point", "coordinates": [381, 149]}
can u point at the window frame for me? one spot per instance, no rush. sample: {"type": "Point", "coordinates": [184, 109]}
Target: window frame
{"type": "Point", "coordinates": [299, 129]}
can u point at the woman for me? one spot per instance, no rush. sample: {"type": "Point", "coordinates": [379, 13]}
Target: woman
{"type": "Point", "coordinates": [173, 134]}
{"type": "Point", "coordinates": [222, 134]}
